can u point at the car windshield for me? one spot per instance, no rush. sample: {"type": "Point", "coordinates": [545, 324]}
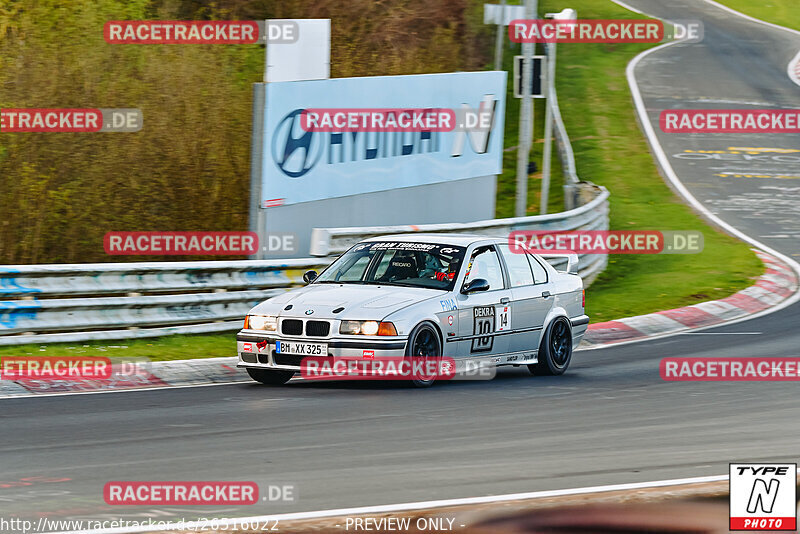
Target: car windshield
{"type": "Point", "coordinates": [397, 263]}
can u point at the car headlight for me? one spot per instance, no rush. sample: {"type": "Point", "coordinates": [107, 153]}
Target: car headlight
{"type": "Point", "coordinates": [268, 323]}
{"type": "Point", "coordinates": [368, 328]}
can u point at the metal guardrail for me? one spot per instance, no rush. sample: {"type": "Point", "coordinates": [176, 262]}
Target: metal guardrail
{"type": "Point", "coordinates": [96, 301]}
{"type": "Point", "coordinates": [591, 216]}
{"type": "Point", "coordinates": [81, 302]}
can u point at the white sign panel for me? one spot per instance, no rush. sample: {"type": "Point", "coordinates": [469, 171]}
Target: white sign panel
{"type": "Point", "coordinates": [492, 13]}
{"type": "Point", "coordinates": [307, 58]}
{"type": "Point", "coordinates": [303, 166]}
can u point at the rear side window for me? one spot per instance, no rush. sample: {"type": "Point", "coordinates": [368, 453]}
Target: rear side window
{"type": "Point", "coordinates": [519, 270]}
{"type": "Point", "coordinates": [539, 272]}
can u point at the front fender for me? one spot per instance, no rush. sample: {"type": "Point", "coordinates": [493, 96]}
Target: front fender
{"type": "Point", "coordinates": [406, 319]}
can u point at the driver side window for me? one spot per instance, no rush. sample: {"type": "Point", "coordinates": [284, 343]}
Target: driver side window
{"type": "Point", "coordinates": [485, 264]}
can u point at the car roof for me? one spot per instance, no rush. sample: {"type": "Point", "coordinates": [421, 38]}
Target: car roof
{"type": "Point", "coordinates": [440, 238]}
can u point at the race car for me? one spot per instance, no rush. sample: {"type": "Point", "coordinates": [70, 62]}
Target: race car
{"type": "Point", "coordinates": [471, 298]}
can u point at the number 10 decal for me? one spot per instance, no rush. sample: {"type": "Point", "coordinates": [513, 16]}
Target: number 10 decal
{"type": "Point", "coordinates": [484, 324]}
{"type": "Point", "coordinates": [488, 320]}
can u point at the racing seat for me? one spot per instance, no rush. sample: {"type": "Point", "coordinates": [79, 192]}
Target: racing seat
{"type": "Point", "coordinates": [401, 267]}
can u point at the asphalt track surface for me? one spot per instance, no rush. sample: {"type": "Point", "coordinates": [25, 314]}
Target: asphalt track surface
{"type": "Point", "coordinates": [610, 419]}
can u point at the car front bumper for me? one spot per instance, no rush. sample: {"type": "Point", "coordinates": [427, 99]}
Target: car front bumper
{"type": "Point", "coordinates": [257, 349]}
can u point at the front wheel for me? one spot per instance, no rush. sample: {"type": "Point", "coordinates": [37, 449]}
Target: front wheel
{"type": "Point", "coordinates": [270, 377]}
{"type": "Point", "coordinates": [555, 350]}
{"type": "Point", "coordinates": [423, 343]}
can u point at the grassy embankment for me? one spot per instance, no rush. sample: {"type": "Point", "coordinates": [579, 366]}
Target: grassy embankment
{"type": "Point", "coordinates": [781, 12]}
{"type": "Point", "coordinates": [611, 150]}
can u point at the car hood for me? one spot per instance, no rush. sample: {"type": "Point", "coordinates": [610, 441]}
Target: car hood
{"type": "Point", "coordinates": [358, 301]}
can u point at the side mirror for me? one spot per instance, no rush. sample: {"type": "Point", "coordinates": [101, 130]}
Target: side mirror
{"type": "Point", "coordinates": [479, 284]}
{"type": "Point", "coordinates": [309, 276]}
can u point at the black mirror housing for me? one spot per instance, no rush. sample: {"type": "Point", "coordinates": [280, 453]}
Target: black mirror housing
{"type": "Point", "coordinates": [309, 276]}
{"type": "Point", "coordinates": [479, 284]}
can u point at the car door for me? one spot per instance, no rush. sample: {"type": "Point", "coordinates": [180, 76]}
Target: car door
{"type": "Point", "coordinates": [484, 317]}
{"type": "Point", "coordinates": [530, 301]}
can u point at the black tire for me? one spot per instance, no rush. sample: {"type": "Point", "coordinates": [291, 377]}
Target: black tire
{"type": "Point", "coordinates": [424, 341]}
{"type": "Point", "coordinates": [555, 350]}
{"type": "Point", "coordinates": [271, 377]}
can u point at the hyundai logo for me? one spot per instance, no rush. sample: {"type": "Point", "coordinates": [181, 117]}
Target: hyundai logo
{"type": "Point", "coordinates": [309, 312]}
{"type": "Point", "coordinates": [294, 150]}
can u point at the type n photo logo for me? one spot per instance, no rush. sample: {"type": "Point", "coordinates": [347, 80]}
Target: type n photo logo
{"type": "Point", "coordinates": [763, 497]}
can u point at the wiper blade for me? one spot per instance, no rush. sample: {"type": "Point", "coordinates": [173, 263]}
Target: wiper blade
{"type": "Point", "coordinates": [397, 284]}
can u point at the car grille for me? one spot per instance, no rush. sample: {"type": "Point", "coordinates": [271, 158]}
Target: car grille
{"type": "Point", "coordinates": [292, 327]}
{"type": "Point", "coordinates": [248, 357]}
{"type": "Point", "coordinates": [318, 328]}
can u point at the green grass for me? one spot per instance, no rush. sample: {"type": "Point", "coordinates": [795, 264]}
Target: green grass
{"type": "Point", "coordinates": [178, 347]}
{"type": "Point", "coordinates": [782, 12]}
{"type": "Point", "coordinates": [610, 150]}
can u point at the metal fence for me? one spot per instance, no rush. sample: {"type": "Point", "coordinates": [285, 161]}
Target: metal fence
{"type": "Point", "coordinates": [572, 185]}
{"type": "Point", "coordinates": [563, 143]}
{"type": "Point", "coordinates": [593, 215]}
{"type": "Point", "coordinates": [81, 302]}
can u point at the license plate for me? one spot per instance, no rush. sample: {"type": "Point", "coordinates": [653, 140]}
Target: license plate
{"type": "Point", "coordinates": [301, 349]}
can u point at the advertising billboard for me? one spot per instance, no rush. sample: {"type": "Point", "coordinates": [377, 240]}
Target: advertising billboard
{"type": "Point", "coordinates": [302, 165]}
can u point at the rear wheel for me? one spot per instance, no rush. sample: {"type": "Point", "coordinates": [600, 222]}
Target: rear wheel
{"type": "Point", "coordinates": [423, 343]}
{"type": "Point", "coordinates": [555, 349]}
{"type": "Point", "coordinates": [270, 377]}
